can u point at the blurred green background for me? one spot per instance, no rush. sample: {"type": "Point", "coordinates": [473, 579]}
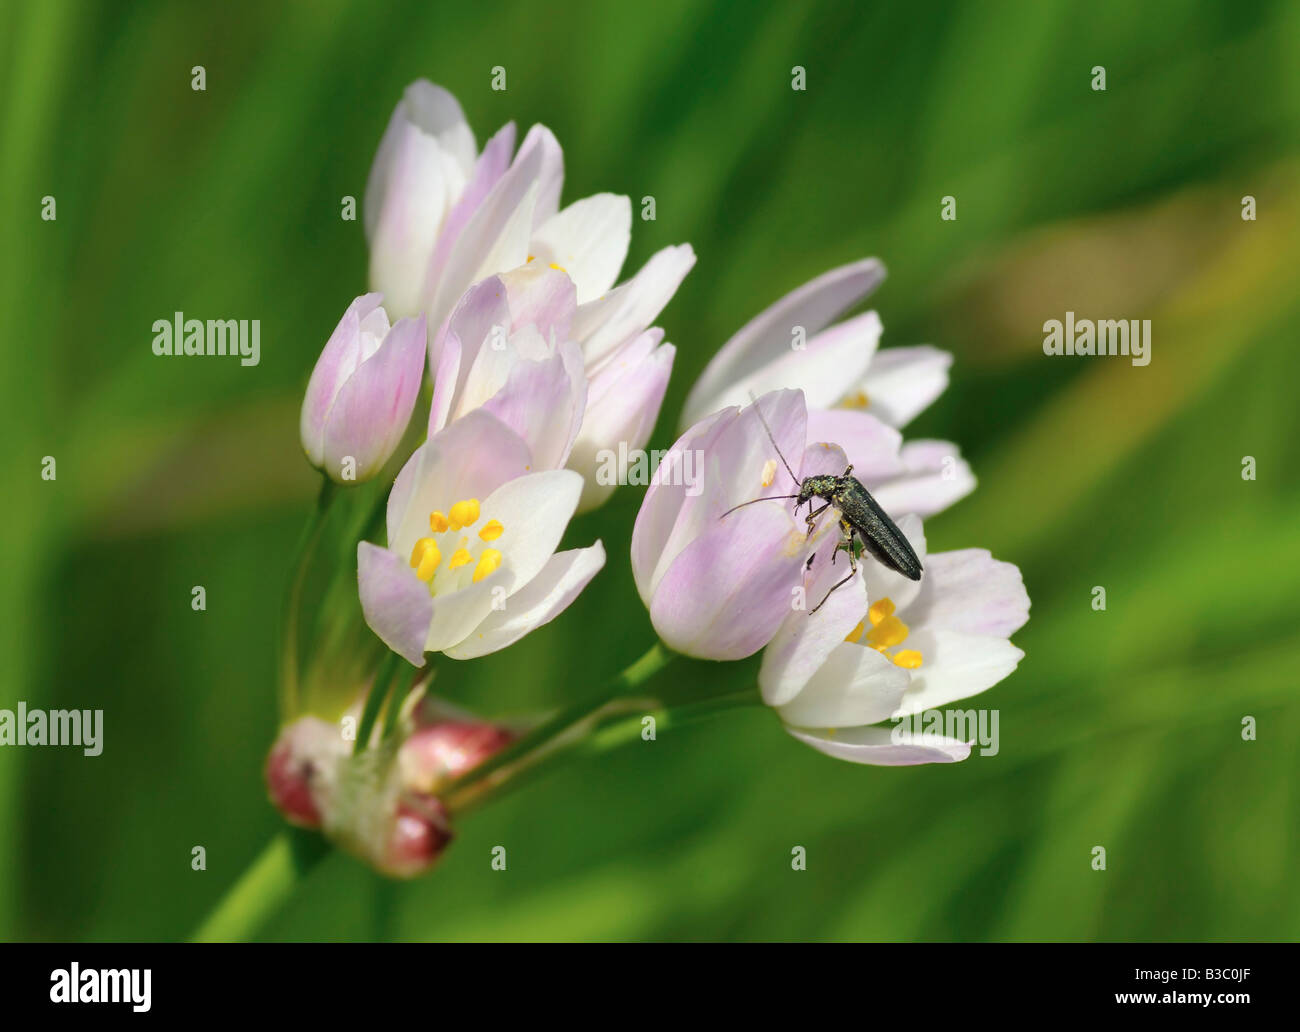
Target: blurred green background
{"type": "Point", "coordinates": [1121, 728]}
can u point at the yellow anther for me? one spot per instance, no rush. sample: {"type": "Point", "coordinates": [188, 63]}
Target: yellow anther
{"type": "Point", "coordinates": [425, 558]}
{"type": "Point", "coordinates": [491, 530]}
{"type": "Point", "coordinates": [769, 472]}
{"type": "Point", "coordinates": [858, 400]}
{"type": "Point", "coordinates": [487, 563]}
{"type": "Point", "coordinates": [854, 636]}
{"type": "Point", "coordinates": [910, 659]}
{"type": "Point", "coordinates": [437, 522]}
{"type": "Point", "coordinates": [465, 513]}
{"type": "Point", "coordinates": [532, 257]}
{"type": "Point", "coordinates": [458, 559]}
{"type": "Point", "coordinates": [560, 268]}
{"type": "Point", "coordinates": [879, 610]}
{"type": "Point", "coordinates": [889, 632]}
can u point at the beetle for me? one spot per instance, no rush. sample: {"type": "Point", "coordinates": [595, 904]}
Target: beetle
{"type": "Point", "coordinates": [864, 524]}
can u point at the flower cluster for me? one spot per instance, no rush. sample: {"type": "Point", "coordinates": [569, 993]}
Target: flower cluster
{"type": "Point", "coordinates": [541, 363]}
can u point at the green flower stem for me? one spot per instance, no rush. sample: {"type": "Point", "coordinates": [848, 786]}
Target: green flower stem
{"type": "Point", "coordinates": [293, 599]}
{"type": "Point", "coordinates": [567, 728]}
{"type": "Point", "coordinates": [263, 887]}
{"type": "Point", "coordinates": [375, 700]}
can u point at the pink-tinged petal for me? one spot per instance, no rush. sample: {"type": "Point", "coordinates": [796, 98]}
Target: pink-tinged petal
{"type": "Point", "coordinates": [458, 613]}
{"type": "Point", "coordinates": [535, 510]}
{"type": "Point", "coordinates": [822, 459]}
{"type": "Point", "coordinates": [430, 111]}
{"type": "Point", "coordinates": [955, 666]}
{"type": "Point", "coordinates": [494, 239]}
{"type": "Point", "coordinates": [934, 476]}
{"type": "Point", "coordinates": [742, 463]}
{"type": "Point", "coordinates": [805, 639]}
{"type": "Point", "coordinates": [540, 144]}
{"type": "Point", "coordinates": [871, 447]}
{"type": "Point", "coordinates": [880, 747]}
{"type": "Point", "coordinates": [726, 593]}
{"type": "Point", "coordinates": [471, 458]}
{"type": "Point", "coordinates": [604, 324]}
{"type": "Point", "coordinates": [623, 402]}
{"type": "Point", "coordinates": [422, 183]}
{"type": "Point", "coordinates": [588, 240]}
{"type": "Point", "coordinates": [668, 492]}
{"type": "Point", "coordinates": [338, 360]}
{"type": "Point", "coordinates": [370, 413]}
{"type": "Point", "coordinates": [544, 598]}
{"type": "Point", "coordinates": [854, 686]}
{"type": "Point", "coordinates": [903, 381]}
{"type": "Point", "coordinates": [541, 297]}
{"type": "Point", "coordinates": [883, 582]}
{"type": "Point", "coordinates": [481, 316]}
{"type": "Point", "coordinates": [543, 402]}
{"type": "Point", "coordinates": [491, 166]}
{"type": "Point", "coordinates": [971, 592]}
{"type": "Point", "coordinates": [820, 368]}
{"type": "Point", "coordinates": [395, 601]}
{"type": "Point", "coordinates": [766, 338]}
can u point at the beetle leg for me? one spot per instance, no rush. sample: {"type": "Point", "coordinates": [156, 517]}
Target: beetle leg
{"type": "Point", "coordinates": [811, 519]}
{"type": "Point", "coordinates": [853, 569]}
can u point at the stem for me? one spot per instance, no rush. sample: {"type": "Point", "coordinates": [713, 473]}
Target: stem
{"type": "Point", "coordinates": [293, 599]}
{"type": "Point", "coordinates": [263, 887]}
{"type": "Point", "coordinates": [375, 700]}
{"type": "Point", "coordinates": [567, 728]}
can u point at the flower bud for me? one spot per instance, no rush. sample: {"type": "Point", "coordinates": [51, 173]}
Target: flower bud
{"type": "Point", "coordinates": [418, 837]}
{"type": "Point", "coordinates": [362, 391]}
{"type": "Point", "coordinates": [301, 770]}
{"type": "Point", "coordinates": [445, 750]}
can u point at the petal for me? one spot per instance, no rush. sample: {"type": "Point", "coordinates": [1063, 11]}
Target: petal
{"type": "Point", "coordinates": [884, 747]}
{"type": "Point", "coordinates": [623, 402]}
{"type": "Point", "coordinates": [542, 297]}
{"type": "Point", "coordinates": [805, 639]}
{"type": "Point", "coordinates": [869, 445]}
{"type": "Point", "coordinates": [855, 685]}
{"type": "Point", "coordinates": [903, 381]}
{"type": "Point", "coordinates": [955, 666]}
{"type": "Point", "coordinates": [934, 476]}
{"type": "Point", "coordinates": [541, 144]}
{"type": "Point", "coordinates": [338, 360]}
{"type": "Point", "coordinates": [726, 593]}
{"type": "Point", "coordinates": [767, 336]}
{"type": "Point", "coordinates": [535, 510]}
{"type": "Point", "coordinates": [742, 463]}
{"type": "Point", "coordinates": [481, 316]}
{"type": "Point", "coordinates": [457, 614]}
{"type": "Point", "coordinates": [588, 240]}
{"type": "Point", "coordinates": [494, 239]}
{"type": "Point", "coordinates": [395, 601]}
{"type": "Point", "coordinates": [669, 489]}
{"type": "Point", "coordinates": [491, 166]}
{"type": "Point", "coordinates": [471, 458]}
{"type": "Point", "coordinates": [604, 324]}
{"type": "Point", "coordinates": [544, 598]}
{"type": "Point", "coordinates": [971, 592]}
{"type": "Point", "coordinates": [370, 413]}
{"type": "Point", "coordinates": [543, 402]}
{"type": "Point", "coordinates": [821, 368]}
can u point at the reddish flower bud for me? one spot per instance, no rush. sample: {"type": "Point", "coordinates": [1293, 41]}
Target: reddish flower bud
{"type": "Point", "coordinates": [444, 750]}
{"type": "Point", "coordinates": [418, 837]}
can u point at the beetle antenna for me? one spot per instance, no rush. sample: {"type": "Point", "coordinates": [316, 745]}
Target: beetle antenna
{"type": "Point", "coordinates": [754, 501]}
{"type": "Point", "coordinates": [771, 438]}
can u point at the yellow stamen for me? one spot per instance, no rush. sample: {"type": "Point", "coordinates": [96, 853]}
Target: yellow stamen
{"type": "Point", "coordinates": [465, 513]}
{"type": "Point", "coordinates": [910, 659]}
{"type": "Point", "coordinates": [858, 400]}
{"type": "Point", "coordinates": [854, 636]}
{"type": "Point", "coordinates": [458, 559]}
{"type": "Point", "coordinates": [437, 522]}
{"type": "Point", "coordinates": [561, 268]}
{"type": "Point", "coordinates": [532, 257]}
{"type": "Point", "coordinates": [769, 472]}
{"type": "Point", "coordinates": [425, 558]}
{"type": "Point", "coordinates": [879, 610]}
{"type": "Point", "coordinates": [487, 563]}
{"type": "Point", "coordinates": [491, 530]}
{"type": "Point", "coordinates": [889, 632]}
